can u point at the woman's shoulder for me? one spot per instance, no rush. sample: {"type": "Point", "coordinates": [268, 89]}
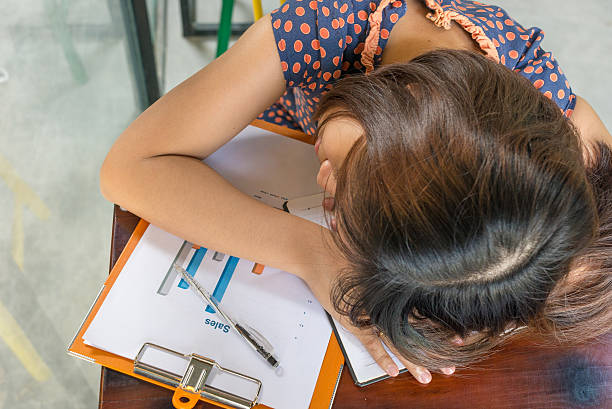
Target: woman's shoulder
{"type": "Point", "coordinates": [590, 127]}
{"type": "Point", "coordinates": [319, 42]}
{"type": "Point", "coordinates": [489, 29]}
{"type": "Point", "coordinates": [323, 40]}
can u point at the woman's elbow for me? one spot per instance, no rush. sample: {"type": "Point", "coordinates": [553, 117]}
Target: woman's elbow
{"type": "Point", "coordinates": [108, 178]}
{"type": "Point", "coordinates": [116, 172]}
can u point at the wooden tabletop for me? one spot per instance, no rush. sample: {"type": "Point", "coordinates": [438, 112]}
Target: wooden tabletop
{"type": "Point", "coordinates": [522, 375]}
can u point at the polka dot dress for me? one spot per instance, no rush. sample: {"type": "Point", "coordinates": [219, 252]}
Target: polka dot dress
{"type": "Point", "coordinates": [321, 41]}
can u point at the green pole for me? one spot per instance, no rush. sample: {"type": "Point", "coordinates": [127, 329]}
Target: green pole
{"type": "Point", "coordinates": [225, 26]}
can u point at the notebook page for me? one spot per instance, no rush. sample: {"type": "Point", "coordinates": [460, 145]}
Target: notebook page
{"type": "Point", "coordinates": [270, 167]}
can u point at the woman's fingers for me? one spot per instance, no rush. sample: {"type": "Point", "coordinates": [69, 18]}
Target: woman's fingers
{"type": "Point", "coordinates": [332, 224]}
{"type": "Point", "coordinates": [420, 374]}
{"type": "Point", "coordinates": [329, 203]}
{"type": "Point", "coordinates": [326, 178]}
{"type": "Point", "coordinates": [375, 347]}
{"type": "Point", "coordinates": [457, 340]}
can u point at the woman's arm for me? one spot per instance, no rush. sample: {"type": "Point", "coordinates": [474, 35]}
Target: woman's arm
{"type": "Point", "coordinates": [590, 126]}
{"type": "Point", "coordinates": [154, 169]}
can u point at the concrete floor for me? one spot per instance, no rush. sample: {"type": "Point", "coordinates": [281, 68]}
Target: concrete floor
{"type": "Point", "coordinates": [67, 96]}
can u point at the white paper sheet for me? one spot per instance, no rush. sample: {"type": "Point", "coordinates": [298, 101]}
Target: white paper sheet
{"type": "Point", "coordinates": [363, 365]}
{"type": "Point", "coordinates": [279, 305]}
{"type": "Point", "coordinates": [267, 166]}
{"type": "Point", "coordinates": [276, 303]}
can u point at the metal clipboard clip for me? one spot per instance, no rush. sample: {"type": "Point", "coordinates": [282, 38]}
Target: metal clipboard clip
{"type": "Point", "coordinates": [192, 384]}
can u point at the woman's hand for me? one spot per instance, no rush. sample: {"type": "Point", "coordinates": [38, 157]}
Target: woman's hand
{"type": "Point", "coordinates": [321, 287]}
{"type": "Point", "coordinates": [321, 281]}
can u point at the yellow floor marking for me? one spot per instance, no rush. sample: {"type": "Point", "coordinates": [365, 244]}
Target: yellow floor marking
{"type": "Point", "coordinates": [24, 196]}
{"type": "Point", "coordinates": [18, 342]}
{"type": "Point", "coordinates": [18, 236]}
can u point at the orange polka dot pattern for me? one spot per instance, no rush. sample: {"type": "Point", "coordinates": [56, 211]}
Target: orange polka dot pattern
{"type": "Point", "coordinates": [320, 41]}
{"type": "Point", "coordinates": [518, 49]}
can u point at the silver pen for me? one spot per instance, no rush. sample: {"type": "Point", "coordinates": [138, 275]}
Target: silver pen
{"type": "Point", "coordinates": [254, 338]}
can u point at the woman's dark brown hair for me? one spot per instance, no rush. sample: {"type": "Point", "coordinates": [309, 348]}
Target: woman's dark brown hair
{"type": "Point", "coordinates": [580, 306]}
{"type": "Point", "coordinates": [461, 206]}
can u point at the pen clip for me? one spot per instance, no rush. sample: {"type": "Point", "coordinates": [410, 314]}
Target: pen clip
{"type": "Point", "coordinates": [258, 337]}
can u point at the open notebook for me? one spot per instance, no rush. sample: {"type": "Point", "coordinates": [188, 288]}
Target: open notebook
{"type": "Point", "coordinates": [362, 366]}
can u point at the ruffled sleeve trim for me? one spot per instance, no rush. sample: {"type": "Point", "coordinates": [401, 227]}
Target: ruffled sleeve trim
{"type": "Point", "coordinates": [371, 41]}
{"type": "Point", "coordinates": [443, 18]}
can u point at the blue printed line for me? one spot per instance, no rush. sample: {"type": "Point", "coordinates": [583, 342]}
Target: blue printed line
{"type": "Point", "coordinates": [224, 280]}
{"type": "Point", "coordinates": [193, 265]}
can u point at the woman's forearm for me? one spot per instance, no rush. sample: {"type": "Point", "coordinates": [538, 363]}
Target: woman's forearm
{"type": "Point", "coordinates": [154, 169]}
{"type": "Point", "coordinates": [184, 196]}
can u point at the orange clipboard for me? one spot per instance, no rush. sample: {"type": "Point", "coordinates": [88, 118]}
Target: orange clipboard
{"type": "Point", "coordinates": [190, 387]}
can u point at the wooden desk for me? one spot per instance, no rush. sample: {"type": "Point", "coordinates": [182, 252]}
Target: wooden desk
{"type": "Point", "coordinates": [523, 375]}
